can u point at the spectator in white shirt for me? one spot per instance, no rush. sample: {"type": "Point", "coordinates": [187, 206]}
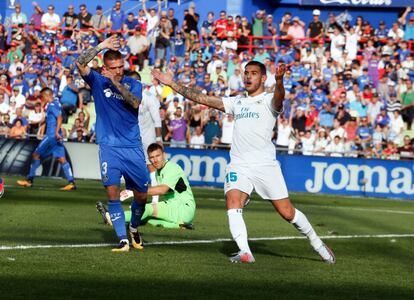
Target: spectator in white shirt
{"type": "Point", "coordinates": [396, 32]}
{"type": "Point", "coordinates": [229, 45]}
{"type": "Point", "coordinates": [227, 129]}
{"type": "Point", "coordinates": [336, 147]}
{"type": "Point", "coordinates": [18, 97]}
{"type": "Point", "coordinates": [308, 143]}
{"type": "Point", "coordinates": [284, 130]}
{"type": "Point", "coordinates": [51, 19]}
{"type": "Point", "coordinates": [4, 107]}
{"type": "Point", "coordinates": [235, 81]}
{"type": "Point", "coordinates": [197, 140]}
{"type": "Point", "coordinates": [396, 128]}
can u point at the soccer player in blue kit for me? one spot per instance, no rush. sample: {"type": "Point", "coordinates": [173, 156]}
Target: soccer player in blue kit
{"type": "Point", "coordinates": [117, 98]}
{"type": "Point", "coordinates": [51, 143]}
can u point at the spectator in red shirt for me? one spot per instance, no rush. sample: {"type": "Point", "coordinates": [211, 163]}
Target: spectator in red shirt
{"type": "Point", "coordinates": [232, 27]}
{"type": "Point", "coordinates": [220, 26]}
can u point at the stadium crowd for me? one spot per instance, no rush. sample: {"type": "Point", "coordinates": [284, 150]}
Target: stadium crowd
{"type": "Point", "coordinates": [349, 87]}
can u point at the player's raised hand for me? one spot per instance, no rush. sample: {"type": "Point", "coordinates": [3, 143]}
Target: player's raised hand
{"type": "Point", "coordinates": [280, 71]}
{"type": "Point", "coordinates": [111, 43]}
{"type": "Point", "coordinates": [166, 78]}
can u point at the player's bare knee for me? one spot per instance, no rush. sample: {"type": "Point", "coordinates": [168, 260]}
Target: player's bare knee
{"type": "Point", "coordinates": [140, 197]}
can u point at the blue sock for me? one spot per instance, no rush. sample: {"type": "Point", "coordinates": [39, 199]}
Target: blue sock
{"type": "Point", "coordinates": [118, 218]}
{"type": "Point", "coordinates": [68, 171]}
{"type": "Point", "coordinates": [33, 167]}
{"type": "Point", "coordinates": [137, 210]}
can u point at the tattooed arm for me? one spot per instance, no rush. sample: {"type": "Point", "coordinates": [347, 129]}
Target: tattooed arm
{"type": "Point", "coordinates": [87, 55]}
{"type": "Point", "coordinates": [189, 93]}
{"type": "Point", "coordinates": [129, 97]}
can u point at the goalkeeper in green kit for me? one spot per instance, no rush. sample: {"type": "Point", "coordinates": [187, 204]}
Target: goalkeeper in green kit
{"type": "Point", "coordinates": [176, 208]}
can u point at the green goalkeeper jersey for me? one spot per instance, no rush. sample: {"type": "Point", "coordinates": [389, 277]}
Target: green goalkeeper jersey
{"type": "Point", "coordinates": [173, 176]}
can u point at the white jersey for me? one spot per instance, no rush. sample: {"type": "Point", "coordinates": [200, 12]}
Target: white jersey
{"type": "Point", "coordinates": [149, 118]}
{"type": "Point", "coordinates": [253, 129]}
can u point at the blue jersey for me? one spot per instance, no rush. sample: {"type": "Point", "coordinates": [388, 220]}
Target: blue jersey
{"type": "Point", "coordinates": [53, 111]}
{"type": "Point", "coordinates": [116, 121]}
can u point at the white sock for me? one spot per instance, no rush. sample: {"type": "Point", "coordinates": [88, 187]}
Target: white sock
{"type": "Point", "coordinates": [238, 229]}
{"type": "Point", "coordinates": [302, 224]}
{"type": "Point", "coordinates": [154, 183]}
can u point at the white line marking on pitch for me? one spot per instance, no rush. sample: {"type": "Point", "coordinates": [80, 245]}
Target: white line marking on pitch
{"type": "Point", "coordinates": [335, 206]}
{"type": "Point", "coordinates": [212, 241]}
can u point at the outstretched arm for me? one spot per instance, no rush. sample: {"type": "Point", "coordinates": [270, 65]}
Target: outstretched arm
{"type": "Point", "coordinates": [189, 93]}
{"type": "Point", "coordinates": [279, 93]}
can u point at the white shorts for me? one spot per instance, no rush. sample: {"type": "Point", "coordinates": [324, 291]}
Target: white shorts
{"type": "Point", "coordinates": [266, 180]}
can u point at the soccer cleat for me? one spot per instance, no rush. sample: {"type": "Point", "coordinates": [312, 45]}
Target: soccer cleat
{"type": "Point", "coordinates": [189, 226]}
{"type": "Point", "coordinates": [24, 183]}
{"type": "Point", "coordinates": [69, 187]}
{"type": "Point", "coordinates": [242, 257]}
{"type": "Point", "coordinates": [125, 194]}
{"type": "Point", "coordinates": [122, 247]}
{"type": "Point", "coordinates": [104, 213]}
{"type": "Point", "coordinates": [326, 254]}
{"type": "Point", "coordinates": [136, 240]}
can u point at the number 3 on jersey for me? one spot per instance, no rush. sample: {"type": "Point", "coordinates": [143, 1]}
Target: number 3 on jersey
{"type": "Point", "coordinates": [231, 177]}
{"type": "Point", "coordinates": [104, 168]}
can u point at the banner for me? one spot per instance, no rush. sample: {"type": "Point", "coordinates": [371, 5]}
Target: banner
{"type": "Point", "coordinates": [311, 174]}
{"type": "Point", "coordinates": [384, 4]}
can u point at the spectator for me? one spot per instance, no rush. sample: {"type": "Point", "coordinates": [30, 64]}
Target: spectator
{"type": "Point", "coordinates": [296, 31]}
{"type": "Point", "coordinates": [18, 131]}
{"type": "Point", "coordinates": [35, 118]}
{"type": "Point", "coordinates": [229, 46]}
{"type": "Point", "coordinates": [162, 43]}
{"type": "Point", "coordinates": [207, 27]}
{"type": "Point", "coordinates": [396, 128]}
{"type": "Point", "coordinates": [407, 108]}
{"type": "Point", "coordinates": [227, 126]}
{"type": "Point", "coordinates": [51, 20]}
{"type": "Point", "coordinates": [18, 97]}
{"type": "Point", "coordinates": [396, 33]}
{"type": "Point", "coordinates": [197, 140]}
{"type": "Point", "coordinates": [85, 19]}
{"type": "Point", "coordinates": [130, 24]}
{"type": "Point", "coordinates": [212, 128]}
{"type": "Point", "coordinates": [284, 130]}
{"type": "Point", "coordinates": [98, 20]}
{"type": "Point", "coordinates": [321, 143]}
{"type": "Point", "coordinates": [5, 125]}
{"type": "Point", "coordinates": [245, 29]}
{"type": "Point", "coordinates": [257, 24]}
{"type": "Point", "coordinates": [117, 17]}
{"type": "Point", "coordinates": [390, 152]}
{"type": "Point", "coordinates": [364, 133]}
{"type": "Point", "coordinates": [409, 27]}
{"type": "Point", "coordinates": [269, 30]}
{"type": "Point", "coordinates": [337, 44]}
{"type": "Point", "coordinates": [139, 45]}
{"type": "Point", "coordinates": [335, 148]}
{"type": "Point", "coordinates": [37, 15]}
{"type": "Point", "coordinates": [18, 17]}
{"type": "Point", "coordinates": [4, 107]}
{"type": "Point", "coordinates": [284, 28]}
{"type": "Point", "coordinates": [308, 141]}
{"type": "Point", "coordinates": [315, 28]}
{"type": "Point", "coordinates": [220, 25]}
{"type": "Point", "coordinates": [69, 99]}
{"type": "Point", "coordinates": [406, 151]}
{"type": "Point", "coordinates": [191, 20]}
{"type": "Point", "coordinates": [69, 21]}
{"type": "Point", "coordinates": [178, 129]}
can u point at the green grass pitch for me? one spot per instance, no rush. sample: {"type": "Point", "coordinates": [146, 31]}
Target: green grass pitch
{"type": "Point", "coordinates": [368, 266]}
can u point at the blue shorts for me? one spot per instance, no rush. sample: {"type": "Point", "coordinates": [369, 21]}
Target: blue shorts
{"type": "Point", "coordinates": [50, 146]}
{"type": "Point", "coordinates": [128, 162]}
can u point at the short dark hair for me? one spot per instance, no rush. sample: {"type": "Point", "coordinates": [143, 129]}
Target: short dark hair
{"type": "Point", "coordinates": [259, 64]}
{"type": "Point", "coordinates": [46, 90]}
{"type": "Point", "coordinates": [153, 147]}
{"type": "Point", "coordinates": [112, 55]}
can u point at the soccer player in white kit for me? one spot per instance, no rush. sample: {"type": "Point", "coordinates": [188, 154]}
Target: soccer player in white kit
{"type": "Point", "coordinates": [253, 163]}
{"type": "Point", "coordinates": [150, 128]}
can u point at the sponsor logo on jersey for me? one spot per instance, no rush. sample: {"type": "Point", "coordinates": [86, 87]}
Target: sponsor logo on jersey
{"type": "Point", "coordinates": [245, 113]}
{"type": "Point", "coordinates": [110, 93]}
